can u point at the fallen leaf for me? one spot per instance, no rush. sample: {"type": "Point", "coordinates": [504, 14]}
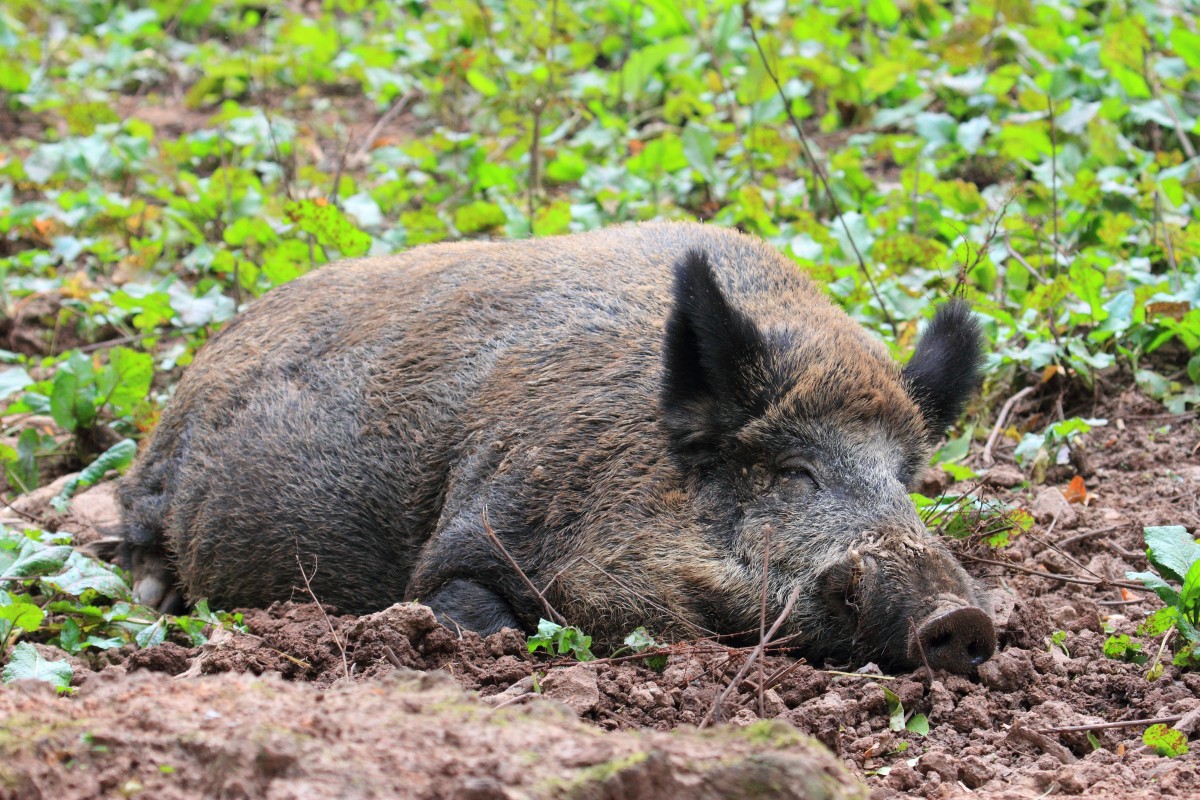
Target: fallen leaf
{"type": "Point", "coordinates": [1175, 311]}
{"type": "Point", "coordinates": [1076, 492]}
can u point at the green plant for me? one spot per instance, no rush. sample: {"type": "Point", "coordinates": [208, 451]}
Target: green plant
{"type": "Point", "coordinates": [639, 641]}
{"type": "Point", "coordinates": [561, 640]}
{"type": "Point", "coordinates": [899, 721]}
{"type": "Point", "coordinates": [1175, 557]}
{"type": "Point", "coordinates": [1037, 451]}
{"type": "Point", "coordinates": [59, 596]}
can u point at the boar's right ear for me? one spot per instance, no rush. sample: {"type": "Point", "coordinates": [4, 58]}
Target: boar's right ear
{"type": "Point", "coordinates": [944, 369]}
{"type": "Point", "coordinates": [715, 364]}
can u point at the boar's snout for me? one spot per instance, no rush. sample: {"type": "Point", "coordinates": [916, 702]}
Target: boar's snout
{"type": "Point", "coordinates": [956, 639]}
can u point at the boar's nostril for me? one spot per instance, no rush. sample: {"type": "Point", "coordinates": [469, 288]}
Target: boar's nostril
{"type": "Point", "coordinates": [957, 640]}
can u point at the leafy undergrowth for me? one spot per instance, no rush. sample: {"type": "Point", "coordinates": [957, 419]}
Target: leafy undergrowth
{"type": "Point", "coordinates": [58, 595]}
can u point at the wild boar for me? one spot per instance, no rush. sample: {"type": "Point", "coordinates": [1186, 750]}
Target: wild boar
{"type": "Point", "coordinates": [633, 412]}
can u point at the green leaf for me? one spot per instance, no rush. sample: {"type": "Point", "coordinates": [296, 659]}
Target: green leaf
{"type": "Point", "coordinates": [329, 225]}
{"type": "Point", "coordinates": [84, 573]}
{"type": "Point", "coordinates": [13, 379]}
{"type": "Point", "coordinates": [1123, 648]}
{"type": "Point", "coordinates": [1165, 591]}
{"type": "Point", "coordinates": [132, 373]}
{"type": "Point", "coordinates": [482, 83]}
{"type": "Point", "coordinates": [1171, 550]}
{"type": "Point", "coordinates": [117, 457]}
{"type": "Point", "coordinates": [700, 148]}
{"type": "Point", "coordinates": [1165, 741]}
{"type": "Point", "coordinates": [36, 559]}
{"type": "Point", "coordinates": [918, 724]}
{"type": "Point", "coordinates": [152, 635]}
{"type": "Point", "coordinates": [26, 663]}
{"type": "Point", "coordinates": [62, 400]}
{"type": "Point", "coordinates": [895, 710]}
{"type": "Point", "coordinates": [17, 612]}
{"type": "Point", "coordinates": [22, 471]}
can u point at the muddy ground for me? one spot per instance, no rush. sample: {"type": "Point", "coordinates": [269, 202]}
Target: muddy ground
{"type": "Point", "coordinates": [311, 703]}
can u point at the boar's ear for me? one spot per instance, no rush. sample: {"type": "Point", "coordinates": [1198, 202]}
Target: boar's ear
{"type": "Point", "coordinates": [944, 369]}
{"type": "Point", "coordinates": [714, 363]}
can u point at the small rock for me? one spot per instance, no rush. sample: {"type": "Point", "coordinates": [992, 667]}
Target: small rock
{"type": "Point", "coordinates": [1078, 778]}
{"type": "Point", "coordinates": [641, 697]}
{"type": "Point", "coordinates": [743, 717]}
{"type": "Point", "coordinates": [773, 704]}
{"type": "Point", "coordinates": [1004, 476]}
{"type": "Point", "coordinates": [1007, 671]}
{"type": "Point", "coordinates": [934, 481]}
{"type": "Point", "coordinates": [903, 778]}
{"type": "Point", "coordinates": [939, 762]}
{"type": "Point", "coordinates": [1050, 504]}
{"type": "Point", "coordinates": [974, 772]}
{"type": "Point", "coordinates": [577, 687]}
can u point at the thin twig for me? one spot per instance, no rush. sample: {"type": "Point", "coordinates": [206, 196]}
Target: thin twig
{"type": "Point", "coordinates": [920, 648]}
{"type": "Point", "coordinates": [512, 562]}
{"type": "Point", "coordinates": [815, 166]}
{"type": "Point", "coordinates": [392, 657]}
{"type": "Point", "coordinates": [673, 614]}
{"type": "Point", "coordinates": [1055, 576]}
{"type": "Point", "coordinates": [397, 108]}
{"type": "Point", "coordinates": [1131, 723]}
{"type": "Point", "coordinates": [1053, 175]}
{"type": "Point", "coordinates": [762, 616]}
{"type": "Point", "coordinates": [754, 655]}
{"type": "Point", "coordinates": [1088, 534]}
{"type": "Point", "coordinates": [328, 622]}
{"type": "Point", "coordinates": [1012, 251]}
{"type": "Point", "coordinates": [986, 456]}
{"type": "Point", "coordinates": [1061, 552]}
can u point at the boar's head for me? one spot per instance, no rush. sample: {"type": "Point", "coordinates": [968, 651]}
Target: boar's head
{"type": "Point", "coordinates": [792, 426]}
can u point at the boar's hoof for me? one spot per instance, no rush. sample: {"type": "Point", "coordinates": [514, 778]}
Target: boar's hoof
{"type": "Point", "coordinates": [958, 640]}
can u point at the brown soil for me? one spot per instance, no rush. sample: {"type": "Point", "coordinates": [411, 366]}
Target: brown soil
{"type": "Point", "coordinates": [313, 703]}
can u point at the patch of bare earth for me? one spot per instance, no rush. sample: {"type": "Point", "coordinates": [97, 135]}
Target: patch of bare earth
{"type": "Point", "coordinates": [312, 703]}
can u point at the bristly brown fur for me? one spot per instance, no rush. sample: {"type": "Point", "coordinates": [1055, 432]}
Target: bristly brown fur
{"type": "Point", "coordinates": [634, 402]}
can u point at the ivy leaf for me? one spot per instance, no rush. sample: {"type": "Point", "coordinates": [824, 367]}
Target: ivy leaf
{"type": "Point", "coordinates": [117, 457]}
{"type": "Point", "coordinates": [83, 573]}
{"type": "Point", "coordinates": [1171, 550]}
{"type": "Point", "coordinates": [26, 663]}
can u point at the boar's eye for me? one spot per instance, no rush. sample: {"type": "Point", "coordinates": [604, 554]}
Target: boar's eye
{"type": "Point", "coordinates": [795, 472]}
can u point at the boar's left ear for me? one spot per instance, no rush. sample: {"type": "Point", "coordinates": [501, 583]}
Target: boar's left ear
{"type": "Point", "coordinates": [944, 369]}
{"type": "Point", "coordinates": [716, 364]}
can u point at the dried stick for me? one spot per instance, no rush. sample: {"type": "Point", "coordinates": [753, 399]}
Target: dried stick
{"type": "Point", "coordinates": [512, 562]}
{"type": "Point", "coordinates": [762, 616]}
{"type": "Point", "coordinates": [673, 614]}
{"type": "Point", "coordinates": [986, 455]}
{"type": "Point", "coordinates": [1088, 534]}
{"type": "Point", "coordinates": [1130, 723]}
{"type": "Point", "coordinates": [1055, 576]}
{"type": "Point", "coordinates": [758, 651]}
{"type": "Point", "coordinates": [813, 164]}
{"type": "Point", "coordinates": [328, 622]}
{"type": "Point", "coordinates": [397, 108]}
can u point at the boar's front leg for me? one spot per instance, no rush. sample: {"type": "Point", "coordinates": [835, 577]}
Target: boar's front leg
{"type": "Point", "coordinates": [471, 606]}
{"type": "Point", "coordinates": [466, 579]}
